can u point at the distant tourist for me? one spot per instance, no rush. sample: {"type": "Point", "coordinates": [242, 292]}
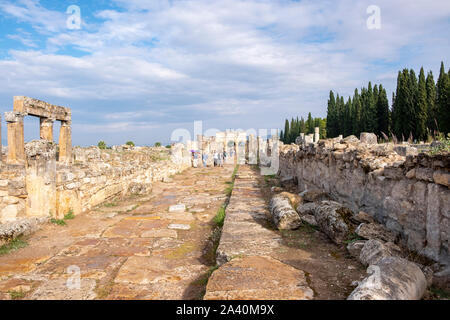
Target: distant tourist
{"type": "Point", "coordinates": [216, 159]}
{"type": "Point", "coordinates": [195, 159]}
{"type": "Point", "coordinates": [205, 159]}
{"type": "Point", "coordinates": [221, 159]}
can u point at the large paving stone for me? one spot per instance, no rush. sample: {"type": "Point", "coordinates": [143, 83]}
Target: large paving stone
{"type": "Point", "coordinates": [257, 278]}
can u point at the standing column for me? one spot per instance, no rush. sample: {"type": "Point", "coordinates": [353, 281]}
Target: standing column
{"type": "Point", "coordinates": [316, 134]}
{"type": "Point", "coordinates": [16, 144]}
{"type": "Point", "coordinates": [65, 142]}
{"type": "Point", "coordinates": [46, 129]}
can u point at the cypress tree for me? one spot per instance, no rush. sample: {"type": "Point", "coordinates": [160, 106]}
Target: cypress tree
{"type": "Point", "coordinates": [356, 117]}
{"type": "Point", "coordinates": [286, 131]}
{"type": "Point", "coordinates": [302, 125]}
{"type": "Point", "coordinates": [421, 107]}
{"type": "Point", "coordinates": [443, 100]}
{"type": "Point", "coordinates": [331, 115]}
{"type": "Point", "coordinates": [382, 112]}
{"type": "Point", "coordinates": [432, 112]}
{"type": "Point", "coordinates": [412, 103]}
{"type": "Point", "coordinates": [310, 124]}
{"type": "Point", "coordinates": [396, 107]}
{"type": "Point", "coordinates": [364, 122]}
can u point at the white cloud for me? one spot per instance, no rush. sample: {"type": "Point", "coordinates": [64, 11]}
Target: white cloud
{"type": "Point", "coordinates": [238, 61]}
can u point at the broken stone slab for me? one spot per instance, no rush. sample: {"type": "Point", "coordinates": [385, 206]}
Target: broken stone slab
{"type": "Point", "coordinates": [368, 138]}
{"type": "Point", "coordinates": [183, 216]}
{"type": "Point", "coordinates": [283, 215]}
{"type": "Point", "coordinates": [257, 278]}
{"type": "Point", "coordinates": [332, 218]}
{"type": "Point", "coordinates": [374, 250]}
{"type": "Point", "coordinates": [177, 208]}
{"type": "Point", "coordinates": [375, 231]}
{"type": "Point", "coordinates": [178, 226]}
{"type": "Point", "coordinates": [159, 233]}
{"type": "Point", "coordinates": [392, 278]}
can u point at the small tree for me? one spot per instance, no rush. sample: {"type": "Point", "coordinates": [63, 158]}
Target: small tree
{"type": "Point", "coordinates": [130, 143]}
{"type": "Point", "coordinates": [102, 145]}
{"type": "Point", "coordinates": [158, 144]}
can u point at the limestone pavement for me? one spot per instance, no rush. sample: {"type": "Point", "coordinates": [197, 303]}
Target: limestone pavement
{"type": "Point", "coordinates": [142, 247]}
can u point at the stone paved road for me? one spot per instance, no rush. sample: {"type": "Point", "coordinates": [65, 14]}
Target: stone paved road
{"type": "Point", "coordinates": [130, 249]}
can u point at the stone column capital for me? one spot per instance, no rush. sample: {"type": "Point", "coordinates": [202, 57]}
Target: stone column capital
{"type": "Point", "coordinates": [14, 116]}
{"type": "Point", "coordinates": [47, 120]}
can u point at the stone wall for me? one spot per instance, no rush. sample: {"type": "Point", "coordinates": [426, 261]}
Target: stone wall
{"type": "Point", "coordinates": [406, 191]}
{"type": "Point", "coordinates": [43, 187]}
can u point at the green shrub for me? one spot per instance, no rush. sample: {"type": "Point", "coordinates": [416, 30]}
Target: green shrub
{"type": "Point", "coordinates": [102, 145]}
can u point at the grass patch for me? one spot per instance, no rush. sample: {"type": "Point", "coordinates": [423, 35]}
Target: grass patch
{"type": "Point", "coordinates": [13, 245]}
{"type": "Point", "coordinates": [220, 216]}
{"type": "Point", "coordinates": [59, 222]}
{"type": "Point", "coordinates": [110, 204]}
{"type": "Point", "coordinates": [440, 293]}
{"type": "Point", "coordinates": [62, 222]}
{"type": "Point", "coordinates": [16, 295]}
{"type": "Point", "coordinates": [133, 208]}
{"type": "Point", "coordinates": [69, 215]}
{"type": "Point", "coordinates": [203, 280]}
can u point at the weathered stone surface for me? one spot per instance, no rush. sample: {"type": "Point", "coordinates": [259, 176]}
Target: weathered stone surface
{"type": "Point", "coordinates": [257, 278]}
{"type": "Point", "coordinates": [159, 233]}
{"type": "Point", "coordinates": [363, 217]}
{"type": "Point", "coordinates": [314, 195]}
{"type": "Point", "coordinates": [374, 250]}
{"type": "Point", "coordinates": [177, 208]}
{"type": "Point", "coordinates": [309, 219]}
{"type": "Point", "coordinates": [368, 138]}
{"type": "Point", "coordinates": [442, 178]}
{"type": "Point", "coordinates": [392, 278]}
{"type": "Point", "coordinates": [283, 214]}
{"type": "Point", "coordinates": [354, 248]}
{"type": "Point", "coordinates": [374, 231]}
{"type": "Point", "coordinates": [178, 226]}
{"type": "Point", "coordinates": [332, 219]}
{"type": "Point", "coordinates": [306, 208]}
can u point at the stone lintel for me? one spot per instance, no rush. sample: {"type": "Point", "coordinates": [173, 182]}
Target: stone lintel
{"type": "Point", "coordinates": [41, 109]}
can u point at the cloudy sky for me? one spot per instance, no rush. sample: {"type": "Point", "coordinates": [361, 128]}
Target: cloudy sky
{"type": "Point", "coordinates": [137, 70]}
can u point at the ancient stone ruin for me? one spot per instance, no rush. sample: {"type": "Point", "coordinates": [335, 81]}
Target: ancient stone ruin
{"type": "Point", "coordinates": [300, 221]}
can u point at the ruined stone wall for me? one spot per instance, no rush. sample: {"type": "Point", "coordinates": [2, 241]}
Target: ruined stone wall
{"type": "Point", "coordinates": [409, 194]}
{"type": "Point", "coordinates": [46, 188]}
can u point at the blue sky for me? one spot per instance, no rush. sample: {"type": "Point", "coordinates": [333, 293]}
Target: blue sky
{"type": "Point", "coordinates": [137, 70]}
